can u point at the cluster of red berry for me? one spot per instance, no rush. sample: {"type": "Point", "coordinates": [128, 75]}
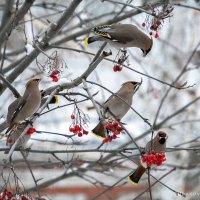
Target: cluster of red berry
{"type": "Point", "coordinates": [77, 129]}
{"type": "Point", "coordinates": [7, 195]}
{"type": "Point", "coordinates": [54, 75]}
{"type": "Point", "coordinates": [113, 128]}
{"type": "Point", "coordinates": [30, 131]}
{"type": "Point", "coordinates": [153, 158]}
{"type": "Point", "coordinates": [117, 68]}
{"type": "Point", "coordinates": [154, 27]}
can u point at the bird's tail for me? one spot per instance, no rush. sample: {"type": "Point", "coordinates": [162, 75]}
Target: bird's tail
{"type": "Point", "coordinates": [92, 39]}
{"type": "Point", "coordinates": [99, 130]}
{"type": "Point", "coordinates": [136, 175]}
{"type": "Point", "coordinates": [54, 100]}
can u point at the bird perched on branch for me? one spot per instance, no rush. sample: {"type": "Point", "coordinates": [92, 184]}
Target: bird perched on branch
{"type": "Point", "coordinates": [155, 146]}
{"type": "Point", "coordinates": [25, 106]}
{"type": "Point", "coordinates": [116, 108]}
{"type": "Point", "coordinates": [122, 36]}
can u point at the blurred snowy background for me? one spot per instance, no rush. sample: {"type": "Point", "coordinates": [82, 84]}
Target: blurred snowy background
{"type": "Point", "coordinates": [178, 37]}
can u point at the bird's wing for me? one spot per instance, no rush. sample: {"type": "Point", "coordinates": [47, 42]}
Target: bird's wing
{"type": "Point", "coordinates": [11, 109]}
{"type": "Point", "coordinates": [122, 33]}
{"type": "Point", "coordinates": [122, 36]}
{"type": "Point", "coordinates": [20, 105]}
{"type": "Point", "coordinates": [109, 99]}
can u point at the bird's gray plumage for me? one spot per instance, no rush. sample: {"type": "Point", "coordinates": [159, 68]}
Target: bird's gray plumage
{"type": "Point", "coordinates": [115, 107]}
{"type": "Point", "coordinates": [25, 106]}
{"type": "Point", "coordinates": [122, 36]}
{"type": "Point", "coordinates": [158, 144]}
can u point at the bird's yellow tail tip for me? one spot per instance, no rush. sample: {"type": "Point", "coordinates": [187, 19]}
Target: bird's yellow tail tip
{"type": "Point", "coordinates": [99, 136]}
{"type": "Point", "coordinates": [132, 181]}
{"type": "Point", "coordinates": [56, 99]}
{"type": "Point", "coordinates": [86, 41]}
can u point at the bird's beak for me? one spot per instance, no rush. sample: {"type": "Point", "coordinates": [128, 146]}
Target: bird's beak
{"type": "Point", "coordinates": [144, 52]}
{"type": "Point", "coordinates": [137, 86]}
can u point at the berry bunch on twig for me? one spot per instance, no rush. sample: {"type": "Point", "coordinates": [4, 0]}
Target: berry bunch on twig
{"type": "Point", "coordinates": [113, 129]}
{"type": "Point", "coordinates": [156, 20]}
{"type": "Point", "coordinates": [79, 122]}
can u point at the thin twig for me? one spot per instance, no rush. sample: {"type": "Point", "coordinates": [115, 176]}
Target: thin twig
{"type": "Point", "coordinates": [29, 167]}
{"type": "Point", "coordinates": [149, 183]}
{"type": "Point", "coordinates": [12, 89]}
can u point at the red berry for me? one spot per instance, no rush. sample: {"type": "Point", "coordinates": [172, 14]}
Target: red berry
{"type": "Point", "coordinates": [106, 140]}
{"type": "Point", "coordinates": [115, 68]}
{"type": "Point", "coordinates": [74, 131]}
{"type": "Point", "coordinates": [24, 198]}
{"type": "Point", "coordinates": [9, 141]}
{"type": "Point", "coordinates": [76, 127]}
{"type": "Point", "coordinates": [85, 132]}
{"type": "Point", "coordinates": [72, 117]}
{"type": "Point", "coordinates": [30, 131]}
{"type": "Point", "coordinates": [55, 79]}
{"type": "Point", "coordinates": [158, 22]}
{"type": "Point", "coordinates": [8, 194]}
{"type": "Point", "coordinates": [108, 126]}
{"type": "Point", "coordinates": [154, 27]}
{"type": "Point", "coordinates": [71, 129]}
{"type": "Point", "coordinates": [55, 72]}
{"type": "Point", "coordinates": [156, 35]}
{"type": "Point", "coordinates": [80, 134]}
{"type": "Point", "coordinates": [153, 152]}
{"type": "Point", "coordinates": [115, 123]}
{"type": "Point", "coordinates": [114, 137]}
{"type": "Point", "coordinates": [143, 24]}
{"type": "Point", "coordinates": [117, 132]}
